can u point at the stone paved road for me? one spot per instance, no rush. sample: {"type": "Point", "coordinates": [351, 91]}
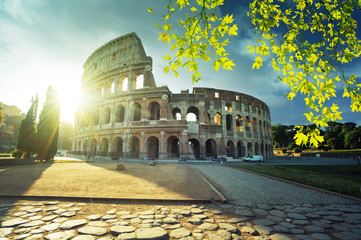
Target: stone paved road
{"type": "Point", "coordinates": [243, 187]}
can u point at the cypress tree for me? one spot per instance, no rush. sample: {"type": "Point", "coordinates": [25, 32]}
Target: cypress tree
{"type": "Point", "coordinates": [48, 127]}
{"type": "Point", "coordinates": [27, 131]}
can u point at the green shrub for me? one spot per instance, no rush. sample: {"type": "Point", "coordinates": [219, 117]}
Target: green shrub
{"type": "Point", "coordinates": [17, 153]}
{"type": "Point", "coordinates": [297, 150]}
{"type": "Point", "coordinates": [284, 150]}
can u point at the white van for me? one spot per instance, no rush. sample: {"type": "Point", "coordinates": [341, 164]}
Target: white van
{"type": "Point", "coordinates": [254, 158]}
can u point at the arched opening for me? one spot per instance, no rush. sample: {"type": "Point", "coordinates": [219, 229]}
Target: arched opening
{"type": "Point", "coordinates": [85, 147]}
{"type": "Point", "coordinates": [112, 87]}
{"type": "Point", "coordinates": [241, 149]}
{"type": "Point", "coordinates": [134, 147]}
{"type": "Point", "coordinates": [119, 113]}
{"type": "Point", "coordinates": [260, 128]}
{"type": "Point", "coordinates": [248, 126]}
{"type": "Point", "coordinates": [259, 114]}
{"type": "Point", "coordinates": [195, 148]}
{"type": "Point", "coordinates": [218, 119]}
{"type": "Point", "coordinates": [262, 149]}
{"type": "Point", "coordinates": [230, 149]}
{"type": "Point", "coordinates": [249, 149]}
{"type": "Point", "coordinates": [104, 147]}
{"type": "Point", "coordinates": [228, 107]}
{"type": "Point", "coordinates": [139, 82]}
{"type": "Point", "coordinates": [136, 112]}
{"type": "Point", "coordinates": [173, 147]}
{"type": "Point", "coordinates": [256, 149]}
{"type": "Point", "coordinates": [239, 123]}
{"type": "Point", "coordinates": [154, 111]}
{"type": "Point", "coordinates": [96, 117]}
{"type": "Point", "coordinates": [264, 128]}
{"type": "Point", "coordinates": [124, 84]}
{"type": "Point", "coordinates": [106, 115]}
{"type": "Point", "coordinates": [119, 147]}
{"type": "Point", "coordinates": [211, 148]}
{"type": "Point", "coordinates": [254, 124]}
{"type": "Point", "coordinates": [93, 148]}
{"type": "Point", "coordinates": [153, 147]}
{"type": "Point", "coordinates": [229, 122]}
{"type": "Point", "coordinates": [192, 114]}
{"type": "Point", "coordinates": [177, 114]}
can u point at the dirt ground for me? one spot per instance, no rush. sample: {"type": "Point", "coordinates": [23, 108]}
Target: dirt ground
{"type": "Point", "coordinates": [101, 180]}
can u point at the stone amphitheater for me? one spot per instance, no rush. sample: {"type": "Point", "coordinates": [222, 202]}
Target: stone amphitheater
{"type": "Point", "coordinates": [123, 114]}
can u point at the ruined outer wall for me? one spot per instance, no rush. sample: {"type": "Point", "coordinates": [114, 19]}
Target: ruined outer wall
{"type": "Point", "coordinates": [122, 113]}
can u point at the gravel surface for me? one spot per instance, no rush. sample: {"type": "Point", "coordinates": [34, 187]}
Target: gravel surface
{"type": "Point", "coordinates": [242, 187]}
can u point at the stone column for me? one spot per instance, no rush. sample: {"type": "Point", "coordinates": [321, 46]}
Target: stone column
{"type": "Point", "coordinates": [162, 146]}
{"type": "Point", "coordinates": [144, 116]}
{"type": "Point", "coordinates": [163, 108]}
{"type": "Point", "coordinates": [142, 147]}
{"type": "Point", "coordinates": [183, 145]}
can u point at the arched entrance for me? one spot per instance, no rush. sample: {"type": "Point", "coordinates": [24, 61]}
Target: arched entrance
{"type": "Point", "coordinates": [195, 148]}
{"type": "Point", "coordinates": [93, 148]}
{"type": "Point", "coordinates": [241, 149]}
{"type": "Point", "coordinates": [119, 147]}
{"type": "Point", "coordinates": [153, 147]}
{"type": "Point", "coordinates": [230, 149]}
{"type": "Point", "coordinates": [249, 149]}
{"type": "Point", "coordinates": [104, 147]}
{"type": "Point", "coordinates": [154, 111]}
{"type": "Point", "coordinates": [173, 147]}
{"type": "Point", "coordinates": [256, 149]}
{"type": "Point", "coordinates": [211, 148]}
{"type": "Point", "coordinates": [134, 147]}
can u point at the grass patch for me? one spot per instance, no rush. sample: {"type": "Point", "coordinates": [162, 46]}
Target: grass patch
{"type": "Point", "coordinates": [341, 179]}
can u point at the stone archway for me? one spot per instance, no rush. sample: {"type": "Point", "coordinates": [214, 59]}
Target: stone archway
{"type": "Point", "coordinates": [173, 147]}
{"type": "Point", "coordinates": [195, 147]}
{"type": "Point", "coordinates": [211, 148]}
{"type": "Point", "coordinates": [230, 149]}
{"type": "Point", "coordinates": [153, 147]}
{"type": "Point", "coordinates": [134, 147]}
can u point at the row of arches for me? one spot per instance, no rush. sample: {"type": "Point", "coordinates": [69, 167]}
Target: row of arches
{"type": "Point", "coordinates": [173, 148]}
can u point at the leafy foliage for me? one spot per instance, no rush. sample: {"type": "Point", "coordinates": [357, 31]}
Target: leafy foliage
{"type": "Point", "coordinates": [27, 131]}
{"type": "Point", "coordinates": [198, 35]}
{"type": "Point", "coordinates": [66, 131]}
{"type": "Point", "coordinates": [308, 42]}
{"type": "Point", "coordinates": [48, 127]}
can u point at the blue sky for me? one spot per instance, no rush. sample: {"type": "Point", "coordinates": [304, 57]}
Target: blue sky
{"type": "Point", "coordinates": [46, 43]}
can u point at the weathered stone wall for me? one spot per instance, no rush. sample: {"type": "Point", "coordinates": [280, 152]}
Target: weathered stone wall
{"type": "Point", "coordinates": [123, 113]}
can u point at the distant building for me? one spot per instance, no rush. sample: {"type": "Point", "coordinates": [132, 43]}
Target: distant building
{"type": "Point", "coordinates": [8, 131]}
{"type": "Point", "coordinates": [10, 110]}
{"type": "Point", "coordinates": [123, 113]}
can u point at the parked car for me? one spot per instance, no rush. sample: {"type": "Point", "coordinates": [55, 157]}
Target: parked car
{"type": "Point", "coordinates": [254, 158]}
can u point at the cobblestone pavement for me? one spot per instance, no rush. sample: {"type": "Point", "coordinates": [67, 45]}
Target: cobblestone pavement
{"type": "Point", "coordinates": [31, 220]}
{"type": "Point", "coordinates": [243, 187]}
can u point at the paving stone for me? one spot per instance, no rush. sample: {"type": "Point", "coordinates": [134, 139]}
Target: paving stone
{"type": "Point", "coordinates": [265, 222]}
{"type": "Point", "coordinates": [224, 234]}
{"type": "Point", "coordinates": [50, 227]}
{"type": "Point", "coordinates": [248, 229]}
{"type": "Point", "coordinates": [31, 224]}
{"type": "Point", "coordinates": [195, 221]}
{"type": "Point", "coordinates": [321, 224]}
{"type": "Point", "coordinates": [196, 211]}
{"type": "Point", "coordinates": [22, 236]}
{"type": "Point", "coordinates": [226, 206]}
{"type": "Point", "coordinates": [156, 233]}
{"type": "Point", "coordinates": [208, 220]}
{"type": "Point", "coordinates": [123, 213]}
{"type": "Point", "coordinates": [319, 236]}
{"type": "Point", "coordinates": [228, 227]}
{"type": "Point", "coordinates": [19, 214]}
{"type": "Point", "coordinates": [73, 224]}
{"type": "Point", "coordinates": [237, 220]}
{"type": "Point", "coordinates": [213, 236]}
{"type": "Point", "coordinates": [208, 226]}
{"type": "Point", "coordinates": [37, 231]}
{"type": "Point", "coordinates": [172, 227]}
{"type": "Point", "coordinates": [149, 212]}
{"type": "Point", "coordinates": [312, 215]}
{"type": "Point", "coordinates": [186, 213]}
{"type": "Point", "coordinates": [14, 222]}
{"type": "Point", "coordinates": [94, 217]}
{"type": "Point", "coordinates": [296, 216]}
{"type": "Point", "coordinates": [107, 217]}
{"type": "Point", "coordinates": [345, 235]}
{"type": "Point", "coordinates": [200, 216]}
{"type": "Point", "coordinates": [180, 233]}
{"type": "Point", "coordinates": [127, 236]}
{"type": "Point", "coordinates": [275, 219]}
{"type": "Point", "coordinates": [146, 216]}
{"type": "Point", "coordinates": [246, 213]}
{"type": "Point", "coordinates": [278, 236]}
{"type": "Point", "coordinates": [84, 237]}
{"type": "Point", "coordinates": [22, 230]}
{"type": "Point", "coordinates": [301, 222]}
{"type": "Point", "coordinates": [264, 206]}
{"type": "Point", "coordinates": [277, 213]}
{"type": "Point", "coordinates": [61, 235]}
{"type": "Point", "coordinates": [282, 229]}
{"type": "Point", "coordinates": [314, 229]}
{"type": "Point", "coordinates": [198, 236]}
{"type": "Point", "coordinates": [49, 218]}
{"type": "Point", "coordinates": [128, 216]}
{"type": "Point", "coordinates": [297, 231]}
{"type": "Point", "coordinates": [60, 220]}
{"type": "Point", "coordinates": [51, 203]}
{"type": "Point", "coordinates": [170, 221]}
{"type": "Point", "coordinates": [263, 229]}
{"type": "Point", "coordinates": [122, 229]}
{"type": "Point", "coordinates": [59, 211]}
{"type": "Point", "coordinates": [160, 216]}
{"type": "Point", "coordinates": [5, 231]}
{"type": "Point", "coordinates": [217, 212]}
{"type": "Point", "coordinates": [334, 218]}
{"type": "Point", "coordinates": [97, 231]}
{"type": "Point", "coordinates": [34, 237]}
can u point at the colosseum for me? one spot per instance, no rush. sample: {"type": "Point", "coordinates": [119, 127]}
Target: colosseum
{"type": "Point", "coordinates": [123, 114]}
